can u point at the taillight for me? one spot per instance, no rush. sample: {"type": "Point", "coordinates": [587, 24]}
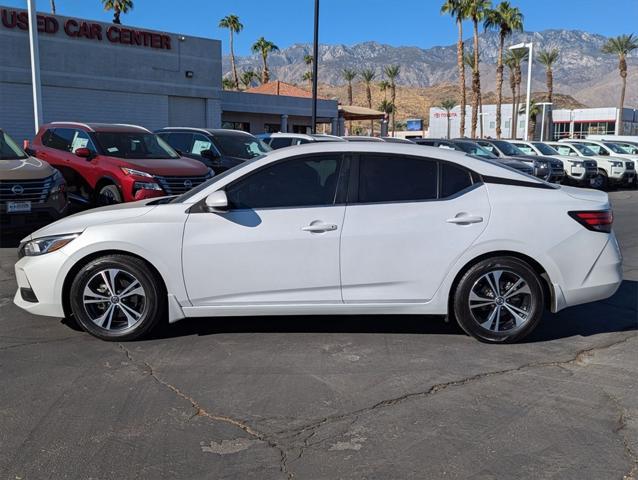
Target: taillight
{"type": "Point", "coordinates": [596, 220]}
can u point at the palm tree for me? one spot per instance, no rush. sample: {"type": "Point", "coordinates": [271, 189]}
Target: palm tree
{"type": "Point", "coordinates": [53, 7]}
{"type": "Point", "coordinates": [247, 78]}
{"type": "Point", "coordinates": [349, 75]}
{"type": "Point", "coordinates": [264, 47]}
{"type": "Point", "coordinates": [383, 86]}
{"type": "Point", "coordinates": [307, 76]}
{"type": "Point", "coordinates": [118, 7]}
{"type": "Point", "coordinates": [514, 60]}
{"type": "Point", "coordinates": [228, 84]}
{"type": "Point", "coordinates": [548, 58]}
{"type": "Point", "coordinates": [510, 63]}
{"type": "Point", "coordinates": [448, 105]}
{"type": "Point", "coordinates": [506, 19]}
{"type": "Point", "coordinates": [368, 76]}
{"type": "Point", "coordinates": [457, 9]}
{"type": "Point", "coordinates": [621, 46]}
{"type": "Point", "coordinates": [386, 107]}
{"type": "Point", "coordinates": [232, 23]}
{"type": "Point", "coordinates": [476, 10]}
{"type": "Point", "coordinates": [468, 60]}
{"type": "Point", "coordinates": [392, 72]}
{"type": "Point", "coordinates": [534, 110]}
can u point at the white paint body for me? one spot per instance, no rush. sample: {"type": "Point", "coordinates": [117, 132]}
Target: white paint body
{"type": "Point", "coordinates": [394, 258]}
{"type": "Point", "coordinates": [610, 165]}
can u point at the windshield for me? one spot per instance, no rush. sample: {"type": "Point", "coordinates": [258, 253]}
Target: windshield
{"type": "Point", "coordinates": [614, 148]}
{"type": "Point", "coordinates": [241, 146]}
{"type": "Point", "coordinates": [474, 149]}
{"type": "Point", "coordinates": [584, 149]}
{"type": "Point", "coordinates": [184, 197]}
{"type": "Point", "coordinates": [134, 145]}
{"type": "Point", "coordinates": [545, 149]}
{"type": "Point", "coordinates": [507, 148]}
{"type": "Point", "coordinates": [9, 150]}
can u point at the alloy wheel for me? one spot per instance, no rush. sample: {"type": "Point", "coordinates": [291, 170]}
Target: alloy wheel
{"type": "Point", "coordinates": [114, 299]}
{"type": "Point", "coordinates": [500, 301]}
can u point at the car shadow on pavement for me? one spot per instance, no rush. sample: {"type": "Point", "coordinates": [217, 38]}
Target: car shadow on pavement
{"type": "Point", "coordinates": [618, 313]}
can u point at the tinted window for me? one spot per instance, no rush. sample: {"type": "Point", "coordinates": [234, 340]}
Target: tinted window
{"type": "Point", "coordinates": [453, 179]}
{"type": "Point", "coordinates": [59, 138]}
{"type": "Point", "coordinates": [280, 142]}
{"type": "Point", "coordinates": [507, 148]}
{"type": "Point", "coordinates": [544, 148]}
{"type": "Point", "coordinates": [9, 150]}
{"type": "Point", "coordinates": [395, 178]}
{"type": "Point", "coordinates": [301, 182]}
{"type": "Point", "coordinates": [241, 146]}
{"type": "Point", "coordinates": [181, 141]}
{"type": "Point", "coordinates": [490, 148]}
{"type": "Point", "coordinates": [134, 145]}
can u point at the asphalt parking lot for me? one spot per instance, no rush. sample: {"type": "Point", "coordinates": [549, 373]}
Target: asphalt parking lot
{"type": "Point", "coordinates": [325, 397]}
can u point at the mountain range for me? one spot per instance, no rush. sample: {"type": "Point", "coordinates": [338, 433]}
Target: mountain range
{"type": "Point", "coordinates": [582, 70]}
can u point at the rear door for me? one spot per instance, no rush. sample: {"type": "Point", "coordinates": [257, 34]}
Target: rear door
{"type": "Point", "coordinates": [409, 220]}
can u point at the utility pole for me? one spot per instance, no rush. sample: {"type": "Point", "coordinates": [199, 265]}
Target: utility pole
{"type": "Point", "coordinates": [35, 65]}
{"type": "Point", "coordinates": [315, 69]}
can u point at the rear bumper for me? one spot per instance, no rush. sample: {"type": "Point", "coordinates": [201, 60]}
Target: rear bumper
{"type": "Point", "coordinates": [602, 281]}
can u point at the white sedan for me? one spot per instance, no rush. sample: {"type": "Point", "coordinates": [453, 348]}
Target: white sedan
{"type": "Point", "coordinates": [334, 228]}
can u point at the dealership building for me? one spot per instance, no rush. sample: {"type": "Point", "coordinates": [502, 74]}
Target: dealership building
{"type": "Point", "coordinates": [100, 72]}
{"type": "Point", "coordinates": [575, 123]}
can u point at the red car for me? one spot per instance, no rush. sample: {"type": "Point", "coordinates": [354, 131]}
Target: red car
{"type": "Point", "coordinates": [112, 163]}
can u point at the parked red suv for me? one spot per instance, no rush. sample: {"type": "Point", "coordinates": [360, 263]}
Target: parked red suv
{"type": "Point", "coordinates": [113, 163]}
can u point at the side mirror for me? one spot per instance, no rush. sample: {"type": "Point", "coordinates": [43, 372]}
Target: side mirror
{"type": "Point", "coordinates": [217, 202]}
{"type": "Point", "coordinates": [84, 153]}
{"type": "Point", "coordinates": [210, 154]}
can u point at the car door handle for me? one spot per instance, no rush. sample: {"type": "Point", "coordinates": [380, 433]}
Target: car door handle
{"type": "Point", "coordinates": [463, 219]}
{"type": "Point", "coordinates": [319, 227]}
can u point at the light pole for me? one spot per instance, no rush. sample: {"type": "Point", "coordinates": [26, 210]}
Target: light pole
{"type": "Point", "coordinates": [481, 116]}
{"type": "Point", "coordinates": [315, 68]}
{"type": "Point", "coordinates": [35, 65]}
{"type": "Point", "coordinates": [544, 104]}
{"type": "Point", "coordinates": [530, 47]}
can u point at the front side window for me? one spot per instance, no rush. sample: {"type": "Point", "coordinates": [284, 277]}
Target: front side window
{"type": "Point", "coordinates": [59, 139]}
{"type": "Point", "coordinates": [9, 150]}
{"type": "Point", "coordinates": [565, 150]}
{"type": "Point", "coordinates": [597, 149]}
{"type": "Point", "coordinates": [241, 146]}
{"type": "Point", "coordinates": [490, 148]}
{"type": "Point", "coordinates": [300, 182]}
{"type": "Point", "coordinates": [396, 179]}
{"type": "Point", "coordinates": [181, 141]}
{"type": "Point", "coordinates": [545, 149]}
{"type": "Point", "coordinates": [134, 145]}
{"type": "Point", "coordinates": [81, 140]}
{"type": "Point", "coordinates": [507, 148]}
{"type": "Point", "coordinates": [615, 148]}
{"type": "Point", "coordinates": [201, 143]}
{"type": "Point", "coordinates": [583, 149]}
{"type": "Point", "coordinates": [526, 149]}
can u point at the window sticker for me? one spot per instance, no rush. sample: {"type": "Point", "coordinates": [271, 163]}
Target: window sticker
{"type": "Point", "coordinates": [200, 145]}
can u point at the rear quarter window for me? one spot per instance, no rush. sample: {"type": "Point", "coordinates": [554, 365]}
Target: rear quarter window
{"type": "Point", "coordinates": [454, 179]}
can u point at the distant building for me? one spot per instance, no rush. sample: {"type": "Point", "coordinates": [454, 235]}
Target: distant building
{"type": "Point", "coordinates": [576, 123]}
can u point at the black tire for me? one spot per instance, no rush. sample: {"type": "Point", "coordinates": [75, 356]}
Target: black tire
{"type": "Point", "coordinates": [505, 329]}
{"type": "Point", "coordinates": [150, 304]}
{"type": "Point", "coordinates": [600, 181]}
{"type": "Point", "coordinates": [108, 195]}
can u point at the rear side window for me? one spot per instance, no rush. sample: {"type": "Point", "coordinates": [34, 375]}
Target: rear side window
{"type": "Point", "coordinates": [453, 179]}
{"type": "Point", "coordinates": [396, 179]}
{"type": "Point", "coordinates": [280, 142]}
{"type": "Point", "coordinates": [181, 141]}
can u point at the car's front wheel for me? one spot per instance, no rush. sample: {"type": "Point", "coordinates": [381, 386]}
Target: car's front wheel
{"type": "Point", "coordinates": [117, 298]}
{"type": "Point", "coordinates": [109, 195]}
{"type": "Point", "coordinates": [600, 181]}
{"type": "Point", "coordinates": [499, 300]}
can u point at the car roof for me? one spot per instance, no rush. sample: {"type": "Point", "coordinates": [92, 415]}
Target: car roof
{"type": "Point", "coordinates": [288, 135]}
{"type": "Point", "coordinates": [210, 131]}
{"type": "Point", "coordinates": [99, 127]}
{"type": "Point", "coordinates": [362, 138]}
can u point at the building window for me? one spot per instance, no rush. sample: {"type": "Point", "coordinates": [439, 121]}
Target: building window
{"type": "Point", "coordinates": [245, 126]}
{"type": "Point", "coordinates": [561, 130]}
{"type": "Point", "coordinates": [492, 124]}
{"type": "Point", "coordinates": [507, 124]}
{"type": "Point", "coordinates": [300, 129]}
{"type": "Point", "coordinates": [272, 127]}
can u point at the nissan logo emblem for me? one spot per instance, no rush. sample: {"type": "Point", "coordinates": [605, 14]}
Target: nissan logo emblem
{"type": "Point", "coordinates": [17, 189]}
{"type": "Point", "coordinates": [188, 183]}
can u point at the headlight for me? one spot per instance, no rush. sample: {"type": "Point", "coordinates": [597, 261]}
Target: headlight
{"type": "Point", "coordinates": [58, 183]}
{"type": "Point", "coordinates": [146, 186]}
{"type": "Point", "coordinates": [616, 164]}
{"type": "Point", "coordinates": [43, 245]}
{"type": "Point", "coordinates": [137, 173]}
{"type": "Point", "coordinates": [576, 163]}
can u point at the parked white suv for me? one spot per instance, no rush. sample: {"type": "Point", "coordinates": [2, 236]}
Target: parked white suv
{"type": "Point", "coordinates": [577, 171]}
{"type": "Point", "coordinates": [618, 155]}
{"type": "Point", "coordinates": [610, 170]}
{"type": "Point", "coordinates": [326, 229]}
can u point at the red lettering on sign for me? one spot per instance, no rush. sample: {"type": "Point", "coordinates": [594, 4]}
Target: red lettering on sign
{"type": "Point", "coordinates": [113, 34]}
{"type": "Point", "coordinates": [71, 28]}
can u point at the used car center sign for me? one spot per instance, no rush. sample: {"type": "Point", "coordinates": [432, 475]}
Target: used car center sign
{"type": "Point", "coordinates": [82, 29]}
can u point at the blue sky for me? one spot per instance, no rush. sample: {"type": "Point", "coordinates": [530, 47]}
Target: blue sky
{"type": "Point", "coordinates": [396, 22]}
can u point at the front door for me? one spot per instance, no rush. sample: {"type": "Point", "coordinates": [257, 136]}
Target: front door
{"type": "Point", "coordinates": [278, 243]}
{"type": "Point", "coordinates": [411, 219]}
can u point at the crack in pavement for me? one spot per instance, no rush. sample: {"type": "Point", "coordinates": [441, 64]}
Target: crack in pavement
{"type": "Point", "coordinates": [37, 342]}
{"type": "Point", "coordinates": [202, 412]}
{"type": "Point", "coordinates": [289, 439]}
{"type": "Point", "coordinates": [621, 425]}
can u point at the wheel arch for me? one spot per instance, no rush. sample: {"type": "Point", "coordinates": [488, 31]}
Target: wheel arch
{"type": "Point", "coordinates": [548, 288]}
{"type": "Point", "coordinates": [77, 266]}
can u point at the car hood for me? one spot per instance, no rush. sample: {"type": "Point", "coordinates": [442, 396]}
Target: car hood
{"type": "Point", "coordinates": [172, 167]}
{"type": "Point", "coordinates": [29, 168]}
{"type": "Point", "coordinates": [587, 194]}
{"type": "Point", "coordinates": [513, 162]}
{"type": "Point", "coordinates": [96, 216]}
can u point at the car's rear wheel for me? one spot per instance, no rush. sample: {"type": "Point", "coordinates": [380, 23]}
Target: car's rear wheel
{"type": "Point", "coordinates": [499, 300]}
{"type": "Point", "coordinates": [117, 298]}
{"type": "Point", "coordinates": [109, 195]}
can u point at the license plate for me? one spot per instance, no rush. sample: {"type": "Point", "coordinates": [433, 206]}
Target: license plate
{"type": "Point", "coordinates": [18, 207]}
